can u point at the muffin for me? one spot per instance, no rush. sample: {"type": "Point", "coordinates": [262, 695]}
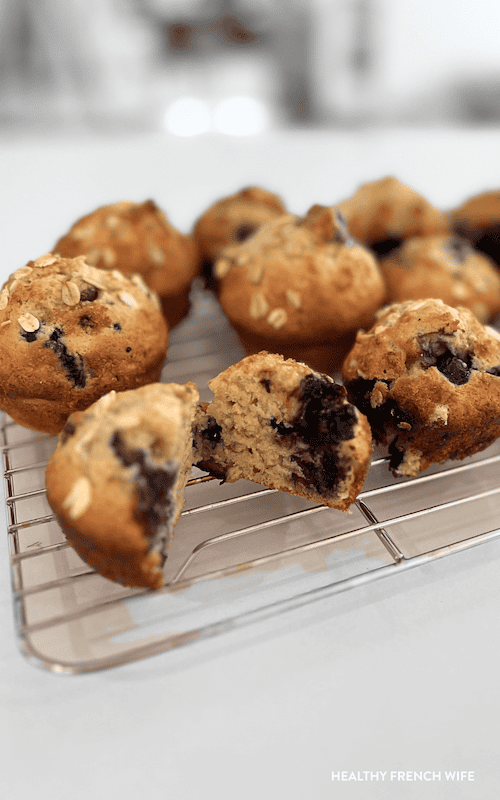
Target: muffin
{"type": "Point", "coordinates": [478, 220]}
{"type": "Point", "coordinates": [383, 213]}
{"type": "Point", "coordinates": [231, 220]}
{"type": "Point", "coordinates": [300, 287]}
{"type": "Point", "coordinates": [138, 238]}
{"type": "Point", "coordinates": [280, 424]}
{"type": "Point", "coordinates": [444, 267]}
{"type": "Point", "coordinates": [69, 333]}
{"type": "Point", "coordinates": [427, 376]}
{"type": "Point", "coordinates": [117, 477]}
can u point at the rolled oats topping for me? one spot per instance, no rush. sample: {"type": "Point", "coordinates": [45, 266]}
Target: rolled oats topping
{"type": "Point", "coordinates": [255, 273]}
{"type": "Point", "coordinates": [91, 275]}
{"type": "Point", "coordinates": [277, 318]}
{"type": "Point", "coordinates": [128, 419]}
{"type": "Point", "coordinates": [258, 306]}
{"type": "Point", "coordinates": [74, 341]}
{"type": "Point", "coordinates": [79, 498]}
{"type": "Point", "coordinates": [127, 298]}
{"type": "Point", "coordinates": [242, 259]}
{"type": "Point", "coordinates": [46, 260]}
{"type": "Point", "coordinates": [155, 300]}
{"type": "Point", "coordinates": [23, 272]}
{"type": "Point", "coordinates": [83, 231]}
{"type": "Point", "coordinates": [155, 253]}
{"type": "Point", "coordinates": [70, 293]}
{"type": "Point", "coordinates": [29, 322]}
{"type": "Point", "coordinates": [293, 298]}
{"type": "Point", "coordinates": [138, 281]}
{"type": "Point", "coordinates": [222, 267]}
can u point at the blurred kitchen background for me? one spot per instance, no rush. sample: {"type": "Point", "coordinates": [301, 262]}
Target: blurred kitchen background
{"type": "Point", "coordinates": [241, 67]}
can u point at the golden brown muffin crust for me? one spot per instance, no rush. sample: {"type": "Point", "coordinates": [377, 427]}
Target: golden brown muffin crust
{"type": "Point", "coordinates": [427, 377]}
{"type": "Point", "coordinates": [69, 333]}
{"type": "Point", "coordinates": [138, 238]}
{"type": "Point", "coordinates": [234, 218]}
{"type": "Point", "coordinates": [444, 267]}
{"type": "Point", "coordinates": [116, 479]}
{"type": "Point", "coordinates": [300, 284]}
{"type": "Point", "coordinates": [387, 210]}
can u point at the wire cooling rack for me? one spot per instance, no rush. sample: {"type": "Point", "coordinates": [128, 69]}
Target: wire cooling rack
{"type": "Point", "coordinates": [240, 553]}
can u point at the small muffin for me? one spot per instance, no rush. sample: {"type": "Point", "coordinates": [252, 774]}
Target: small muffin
{"type": "Point", "coordinates": [382, 213]}
{"type": "Point", "coordinates": [427, 376]}
{"type": "Point", "coordinates": [444, 267]}
{"type": "Point", "coordinates": [282, 425]}
{"type": "Point", "coordinates": [300, 287]}
{"type": "Point", "coordinates": [117, 477]}
{"type": "Point", "coordinates": [232, 220]}
{"type": "Point", "coordinates": [69, 333]}
{"type": "Point", "coordinates": [138, 238]}
{"type": "Point", "coordinates": [478, 220]}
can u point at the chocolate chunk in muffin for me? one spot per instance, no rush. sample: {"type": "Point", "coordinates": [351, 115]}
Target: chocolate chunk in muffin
{"type": "Point", "coordinates": [116, 479]}
{"type": "Point", "coordinates": [283, 425]}
{"type": "Point", "coordinates": [65, 327]}
{"type": "Point", "coordinates": [426, 376]}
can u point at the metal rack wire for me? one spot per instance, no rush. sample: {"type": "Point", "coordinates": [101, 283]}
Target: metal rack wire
{"type": "Point", "coordinates": [240, 553]}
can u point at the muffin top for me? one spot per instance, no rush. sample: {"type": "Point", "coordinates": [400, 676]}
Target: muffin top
{"type": "Point", "coordinates": [477, 214]}
{"type": "Point", "coordinates": [134, 238]}
{"type": "Point", "coordinates": [411, 336]}
{"type": "Point", "coordinates": [444, 267]}
{"type": "Point", "coordinates": [233, 219]}
{"type": "Point", "coordinates": [67, 325]}
{"type": "Point", "coordinates": [384, 212]}
{"type": "Point", "coordinates": [300, 279]}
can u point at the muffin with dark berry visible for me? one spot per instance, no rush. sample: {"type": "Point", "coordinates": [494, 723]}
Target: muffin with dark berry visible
{"type": "Point", "coordinates": [444, 267]}
{"type": "Point", "coordinates": [383, 213]}
{"type": "Point", "coordinates": [478, 220]}
{"type": "Point", "coordinates": [117, 477]}
{"type": "Point", "coordinates": [427, 376]}
{"type": "Point", "coordinates": [138, 238]}
{"type": "Point", "coordinates": [69, 333]}
{"type": "Point", "coordinates": [231, 220]}
{"type": "Point", "coordinates": [280, 424]}
{"type": "Point", "coordinates": [300, 287]}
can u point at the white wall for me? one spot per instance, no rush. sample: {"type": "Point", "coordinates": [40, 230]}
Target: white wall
{"type": "Point", "coordinates": [419, 45]}
{"type": "Point", "coordinates": [427, 41]}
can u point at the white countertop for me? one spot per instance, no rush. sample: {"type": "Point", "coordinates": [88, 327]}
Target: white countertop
{"type": "Point", "coordinates": [397, 676]}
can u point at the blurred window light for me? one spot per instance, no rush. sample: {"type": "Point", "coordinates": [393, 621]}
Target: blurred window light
{"type": "Point", "coordinates": [240, 116]}
{"type": "Point", "coordinates": [187, 116]}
